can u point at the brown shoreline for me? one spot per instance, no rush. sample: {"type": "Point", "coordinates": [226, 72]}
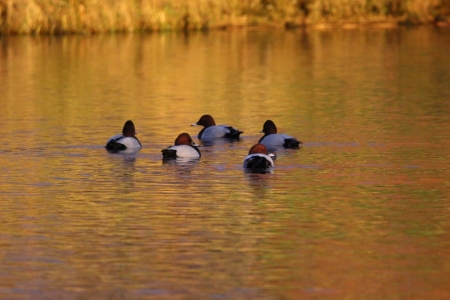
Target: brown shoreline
{"type": "Point", "coordinates": [94, 16]}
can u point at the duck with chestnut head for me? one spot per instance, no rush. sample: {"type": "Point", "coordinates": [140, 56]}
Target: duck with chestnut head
{"type": "Point", "coordinates": [273, 139]}
{"type": "Point", "coordinates": [212, 131]}
{"type": "Point", "coordinates": [184, 147]}
{"type": "Point", "coordinates": [258, 159]}
{"type": "Point", "coordinates": [127, 140]}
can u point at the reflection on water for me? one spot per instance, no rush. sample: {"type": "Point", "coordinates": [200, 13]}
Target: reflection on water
{"type": "Point", "coordinates": [259, 171]}
{"type": "Point", "coordinates": [181, 161]}
{"type": "Point", "coordinates": [359, 211]}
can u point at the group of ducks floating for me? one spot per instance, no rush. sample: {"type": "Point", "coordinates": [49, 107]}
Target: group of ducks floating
{"type": "Point", "coordinates": [258, 157]}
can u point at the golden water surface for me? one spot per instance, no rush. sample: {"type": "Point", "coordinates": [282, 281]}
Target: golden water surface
{"type": "Point", "coordinates": [360, 211]}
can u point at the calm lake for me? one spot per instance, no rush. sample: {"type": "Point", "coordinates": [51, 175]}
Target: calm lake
{"type": "Point", "coordinates": [360, 211]}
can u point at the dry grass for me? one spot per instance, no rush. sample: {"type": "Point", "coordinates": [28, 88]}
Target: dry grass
{"type": "Point", "coordinates": [92, 16]}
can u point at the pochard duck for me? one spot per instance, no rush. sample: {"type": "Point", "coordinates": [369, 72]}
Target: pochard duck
{"type": "Point", "coordinates": [124, 141]}
{"type": "Point", "coordinates": [212, 131]}
{"type": "Point", "coordinates": [258, 158]}
{"type": "Point", "coordinates": [184, 147]}
{"type": "Point", "coordinates": [273, 139]}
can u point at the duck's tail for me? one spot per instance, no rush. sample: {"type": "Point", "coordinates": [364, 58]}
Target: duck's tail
{"type": "Point", "coordinates": [169, 153]}
{"type": "Point", "coordinates": [291, 143]}
{"type": "Point", "coordinates": [257, 163]}
{"type": "Point", "coordinates": [115, 146]}
{"type": "Point", "coordinates": [233, 134]}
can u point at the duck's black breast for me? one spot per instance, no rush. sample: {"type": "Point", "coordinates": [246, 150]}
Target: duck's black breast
{"type": "Point", "coordinates": [201, 133]}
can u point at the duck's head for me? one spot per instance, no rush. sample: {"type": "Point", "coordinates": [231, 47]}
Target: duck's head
{"type": "Point", "coordinates": [128, 129]}
{"type": "Point", "coordinates": [269, 127]}
{"type": "Point", "coordinates": [185, 139]}
{"type": "Point", "coordinates": [205, 120]}
{"type": "Point", "coordinates": [258, 148]}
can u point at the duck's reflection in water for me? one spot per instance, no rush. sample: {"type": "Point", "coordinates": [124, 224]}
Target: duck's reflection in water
{"type": "Point", "coordinates": [182, 165]}
{"type": "Point", "coordinates": [259, 181]}
{"type": "Point", "coordinates": [123, 168]}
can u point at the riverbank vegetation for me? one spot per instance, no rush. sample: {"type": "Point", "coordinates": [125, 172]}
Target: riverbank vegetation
{"type": "Point", "coordinates": [94, 16]}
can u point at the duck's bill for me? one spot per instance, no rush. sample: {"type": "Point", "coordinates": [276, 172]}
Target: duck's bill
{"type": "Point", "coordinates": [195, 124]}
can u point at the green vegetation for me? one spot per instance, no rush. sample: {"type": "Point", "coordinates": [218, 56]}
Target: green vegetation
{"type": "Point", "coordinates": [92, 16]}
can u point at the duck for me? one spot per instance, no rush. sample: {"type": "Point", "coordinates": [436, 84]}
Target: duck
{"type": "Point", "coordinates": [124, 141]}
{"type": "Point", "coordinates": [273, 139]}
{"type": "Point", "coordinates": [184, 147]}
{"type": "Point", "coordinates": [258, 158]}
{"type": "Point", "coordinates": [212, 131]}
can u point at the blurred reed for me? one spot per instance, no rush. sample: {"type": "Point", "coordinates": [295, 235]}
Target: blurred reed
{"type": "Point", "coordinates": [95, 16]}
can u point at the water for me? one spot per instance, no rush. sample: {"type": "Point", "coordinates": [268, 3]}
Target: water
{"type": "Point", "coordinates": [361, 211]}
